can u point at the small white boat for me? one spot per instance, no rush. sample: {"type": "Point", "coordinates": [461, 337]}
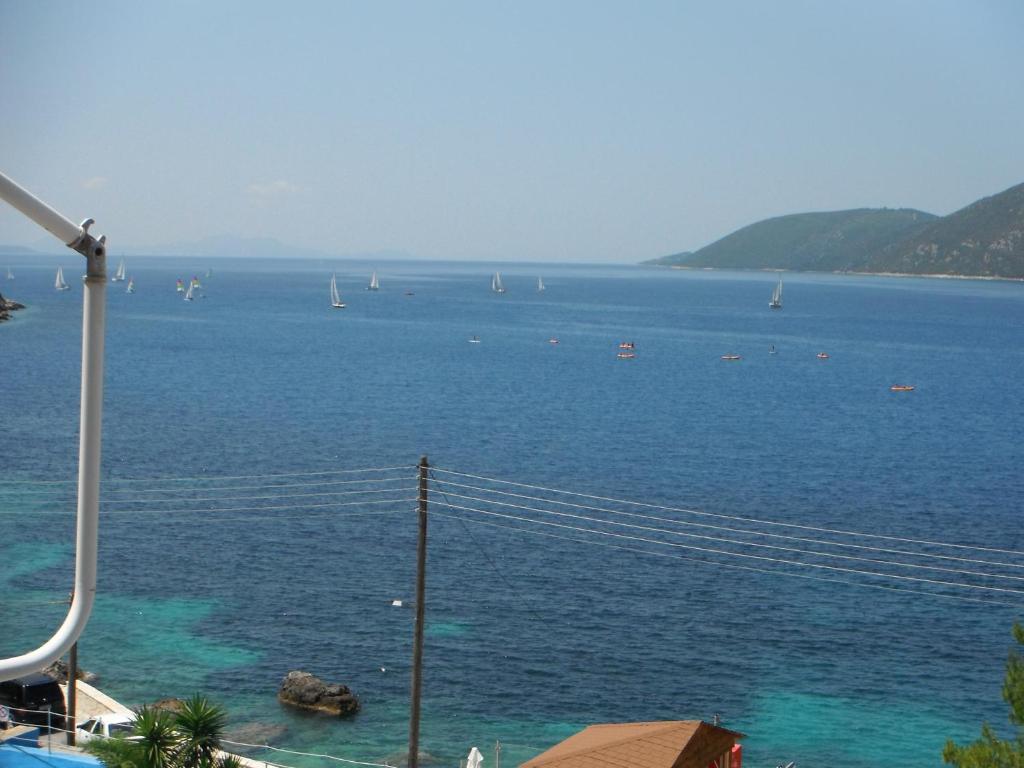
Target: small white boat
{"type": "Point", "coordinates": [59, 283]}
{"type": "Point", "coordinates": [540, 285]}
{"type": "Point", "coordinates": [209, 273]}
{"type": "Point", "coordinates": [10, 275]}
{"type": "Point", "coordinates": [496, 285]}
{"type": "Point", "coordinates": [188, 293]}
{"type": "Point", "coordinates": [131, 285]}
{"type": "Point", "coordinates": [335, 296]}
{"type": "Point", "coordinates": [475, 339]}
{"type": "Point", "coordinates": [776, 302]}
{"type": "Point", "coordinates": [374, 283]}
{"type": "Point", "coordinates": [119, 275]}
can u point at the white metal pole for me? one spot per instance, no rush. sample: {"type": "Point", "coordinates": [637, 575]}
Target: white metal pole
{"type": "Point", "coordinates": [38, 211]}
{"type": "Point", "coordinates": [93, 321]}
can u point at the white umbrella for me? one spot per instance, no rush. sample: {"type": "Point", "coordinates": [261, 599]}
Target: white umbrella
{"type": "Point", "coordinates": [474, 759]}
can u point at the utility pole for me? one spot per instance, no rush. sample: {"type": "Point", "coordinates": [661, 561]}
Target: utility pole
{"type": "Point", "coordinates": [417, 642]}
{"type": "Point", "coordinates": [71, 719]}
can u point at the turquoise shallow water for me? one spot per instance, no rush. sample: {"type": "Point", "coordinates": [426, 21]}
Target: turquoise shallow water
{"type": "Point", "coordinates": [528, 638]}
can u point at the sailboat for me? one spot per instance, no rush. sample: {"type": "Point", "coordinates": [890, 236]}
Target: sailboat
{"type": "Point", "coordinates": [335, 298]}
{"type": "Point", "coordinates": [188, 293]}
{"type": "Point", "coordinates": [119, 274]}
{"type": "Point", "coordinates": [496, 284]}
{"type": "Point", "coordinates": [776, 302]}
{"type": "Point", "coordinates": [10, 275]}
{"type": "Point", "coordinates": [540, 285]}
{"type": "Point", "coordinates": [131, 285]}
{"type": "Point", "coordinates": [180, 288]}
{"type": "Point", "coordinates": [59, 283]}
{"type": "Point", "coordinates": [374, 283]}
{"type": "Point", "coordinates": [209, 273]}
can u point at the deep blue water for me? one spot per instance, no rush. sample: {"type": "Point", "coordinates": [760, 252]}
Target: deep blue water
{"type": "Point", "coordinates": [529, 637]}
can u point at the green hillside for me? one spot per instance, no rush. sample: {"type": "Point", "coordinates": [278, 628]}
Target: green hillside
{"type": "Point", "coordinates": [984, 239]}
{"type": "Point", "coordinates": [836, 240]}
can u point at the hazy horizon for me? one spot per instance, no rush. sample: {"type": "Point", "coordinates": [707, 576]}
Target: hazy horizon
{"type": "Point", "coordinates": [604, 133]}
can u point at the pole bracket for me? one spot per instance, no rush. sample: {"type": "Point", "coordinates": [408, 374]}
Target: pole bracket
{"type": "Point", "coordinates": [94, 249]}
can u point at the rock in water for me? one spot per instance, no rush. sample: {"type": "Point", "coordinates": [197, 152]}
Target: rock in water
{"type": "Point", "coordinates": [7, 306]}
{"type": "Point", "coordinates": [306, 691]}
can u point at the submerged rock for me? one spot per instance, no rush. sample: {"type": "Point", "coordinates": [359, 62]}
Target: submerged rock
{"type": "Point", "coordinates": [306, 691]}
{"type": "Point", "coordinates": [172, 705]}
{"type": "Point", "coordinates": [254, 733]}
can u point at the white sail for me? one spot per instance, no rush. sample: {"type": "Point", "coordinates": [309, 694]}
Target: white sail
{"type": "Point", "coordinates": [10, 275]}
{"type": "Point", "coordinates": [120, 273]}
{"type": "Point", "coordinates": [496, 284]}
{"type": "Point", "coordinates": [188, 293]}
{"type": "Point", "coordinates": [374, 283]}
{"type": "Point", "coordinates": [540, 285]}
{"type": "Point", "coordinates": [776, 302]}
{"type": "Point", "coordinates": [131, 285]}
{"type": "Point", "coordinates": [59, 283]}
{"type": "Point", "coordinates": [335, 297]}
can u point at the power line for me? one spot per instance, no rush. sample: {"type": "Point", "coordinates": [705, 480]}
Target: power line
{"type": "Point", "coordinates": [747, 531]}
{"type": "Point", "coordinates": [744, 555]}
{"type": "Point", "coordinates": [735, 566]}
{"type": "Point", "coordinates": [174, 512]}
{"type": "Point", "coordinates": [775, 547]}
{"type": "Point", "coordinates": [224, 487]}
{"type": "Point", "coordinates": [494, 566]}
{"type": "Point", "coordinates": [304, 754]}
{"type": "Point", "coordinates": [252, 498]}
{"type": "Point", "coordinates": [733, 517]}
{"type": "Point", "coordinates": [214, 478]}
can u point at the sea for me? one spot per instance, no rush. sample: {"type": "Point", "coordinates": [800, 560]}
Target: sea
{"type": "Point", "coordinates": [666, 536]}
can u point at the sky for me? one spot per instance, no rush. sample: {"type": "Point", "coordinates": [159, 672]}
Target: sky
{"type": "Point", "coordinates": [606, 132]}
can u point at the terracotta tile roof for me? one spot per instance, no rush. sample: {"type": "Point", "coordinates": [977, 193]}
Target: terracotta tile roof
{"type": "Point", "coordinates": [663, 744]}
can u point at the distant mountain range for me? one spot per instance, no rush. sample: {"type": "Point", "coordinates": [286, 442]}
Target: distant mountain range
{"type": "Point", "coordinates": [985, 239]}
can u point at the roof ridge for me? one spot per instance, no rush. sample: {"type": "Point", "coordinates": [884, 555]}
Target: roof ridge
{"type": "Point", "coordinates": [666, 725]}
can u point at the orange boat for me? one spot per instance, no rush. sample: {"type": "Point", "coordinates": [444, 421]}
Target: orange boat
{"type": "Point", "coordinates": [901, 388]}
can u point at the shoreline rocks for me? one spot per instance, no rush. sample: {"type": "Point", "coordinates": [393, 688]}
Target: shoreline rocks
{"type": "Point", "coordinates": [7, 306]}
{"type": "Point", "coordinates": [306, 691]}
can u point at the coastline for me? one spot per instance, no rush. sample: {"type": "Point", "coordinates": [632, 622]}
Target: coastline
{"type": "Point", "coordinates": [775, 270]}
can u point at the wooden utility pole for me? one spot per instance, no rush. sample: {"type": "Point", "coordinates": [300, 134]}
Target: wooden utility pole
{"type": "Point", "coordinates": [417, 642]}
{"type": "Point", "coordinates": [70, 719]}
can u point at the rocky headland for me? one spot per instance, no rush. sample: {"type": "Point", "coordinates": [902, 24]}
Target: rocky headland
{"type": "Point", "coordinates": [7, 306]}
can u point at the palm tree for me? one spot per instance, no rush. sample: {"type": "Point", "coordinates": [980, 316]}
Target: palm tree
{"type": "Point", "coordinates": [201, 725]}
{"type": "Point", "coordinates": [189, 738]}
{"type": "Point", "coordinates": [159, 738]}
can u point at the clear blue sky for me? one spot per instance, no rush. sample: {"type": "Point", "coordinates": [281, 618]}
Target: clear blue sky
{"type": "Point", "coordinates": [541, 131]}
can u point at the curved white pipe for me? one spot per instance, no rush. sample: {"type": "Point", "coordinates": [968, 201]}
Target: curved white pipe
{"type": "Point", "coordinates": [87, 536]}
